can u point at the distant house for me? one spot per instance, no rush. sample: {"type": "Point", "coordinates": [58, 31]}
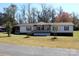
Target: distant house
{"type": "Point", "coordinates": [42, 28]}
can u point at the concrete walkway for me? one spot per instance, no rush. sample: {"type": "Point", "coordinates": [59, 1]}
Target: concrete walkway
{"type": "Point", "coordinates": [15, 50]}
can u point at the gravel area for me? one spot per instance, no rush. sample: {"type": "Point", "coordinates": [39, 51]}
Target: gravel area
{"type": "Point", "coordinates": [16, 50]}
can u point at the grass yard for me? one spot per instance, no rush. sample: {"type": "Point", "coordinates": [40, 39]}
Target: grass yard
{"type": "Point", "coordinates": [43, 41]}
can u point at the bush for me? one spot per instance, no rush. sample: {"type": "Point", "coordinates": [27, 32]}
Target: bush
{"type": "Point", "coordinates": [53, 38]}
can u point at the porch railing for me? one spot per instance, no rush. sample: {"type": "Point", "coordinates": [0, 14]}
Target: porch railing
{"type": "Point", "coordinates": [41, 31]}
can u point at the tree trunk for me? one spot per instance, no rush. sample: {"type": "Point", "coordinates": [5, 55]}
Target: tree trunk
{"type": "Point", "coordinates": [8, 28]}
{"type": "Point", "coordinates": [9, 34]}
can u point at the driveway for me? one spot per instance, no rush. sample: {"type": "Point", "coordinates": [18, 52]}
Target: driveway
{"type": "Point", "coordinates": [16, 50]}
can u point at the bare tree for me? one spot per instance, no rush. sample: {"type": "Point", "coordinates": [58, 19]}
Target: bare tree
{"type": "Point", "coordinates": [34, 15]}
{"type": "Point", "coordinates": [75, 21]}
{"type": "Point", "coordinates": [53, 15]}
{"type": "Point", "coordinates": [20, 20]}
{"type": "Point", "coordinates": [29, 14]}
{"type": "Point", "coordinates": [45, 14]}
{"type": "Point", "coordinates": [23, 11]}
{"type": "Point", "coordinates": [60, 10]}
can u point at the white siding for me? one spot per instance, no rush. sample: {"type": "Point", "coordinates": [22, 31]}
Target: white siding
{"type": "Point", "coordinates": [61, 29]}
{"type": "Point", "coordinates": [22, 29]}
{"type": "Point", "coordinates": [64, 31]}
{"type": "Point", "coordinates": [71, 28]}
{"type": "Point", "coordinates": [28, 31]}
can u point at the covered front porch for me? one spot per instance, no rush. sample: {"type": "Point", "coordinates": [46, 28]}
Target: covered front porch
{"type": "Point", "coordinates": [41, 29]}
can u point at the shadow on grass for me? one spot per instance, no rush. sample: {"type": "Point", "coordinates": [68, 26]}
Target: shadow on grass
{"type": "Point", "coordinates": [27, 36]}
{"type": "Point", "coordinates": [53, 38]}
{"type": "Point", "coordinates": [3, 36]}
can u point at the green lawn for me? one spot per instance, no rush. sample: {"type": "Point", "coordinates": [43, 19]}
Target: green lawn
{"type": "Point", "coordinates": [43, 41]}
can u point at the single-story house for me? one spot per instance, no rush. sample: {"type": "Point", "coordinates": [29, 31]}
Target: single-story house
{"type": "Point", "coordinates": [42, 28]}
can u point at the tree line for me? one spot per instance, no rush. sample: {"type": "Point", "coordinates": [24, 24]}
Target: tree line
{"type": "Point", "coordinates": [33, 15]}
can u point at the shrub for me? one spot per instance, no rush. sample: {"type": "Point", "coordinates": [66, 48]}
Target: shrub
{"type": "Point", "coordinates": [53, 38]}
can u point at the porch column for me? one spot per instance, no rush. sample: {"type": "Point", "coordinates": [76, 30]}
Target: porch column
{"type": "Point", "coordinates": [51, 27]}
{"type": "Point", "coordinates": [32, 28]}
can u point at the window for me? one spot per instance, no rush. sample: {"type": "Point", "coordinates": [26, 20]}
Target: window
{"type": "Point", "coordinates": [28, 28]}
{"type": "Point", "coordinates": [66, 28]}
{"type": "Point", "coordinates": [42, 27]}
{"type": "Point", "coordinates": [48, 27]}
{"type": "Point", "coordinates": [38, 28]}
